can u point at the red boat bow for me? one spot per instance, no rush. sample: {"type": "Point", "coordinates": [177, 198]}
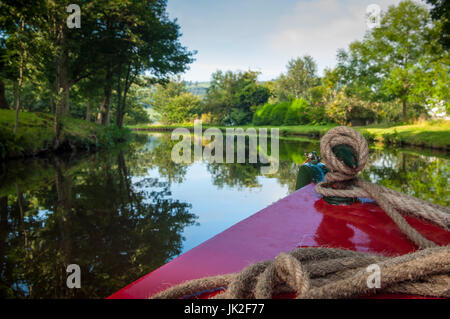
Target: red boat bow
{"type": "Point", "coordinates": [300, 219]}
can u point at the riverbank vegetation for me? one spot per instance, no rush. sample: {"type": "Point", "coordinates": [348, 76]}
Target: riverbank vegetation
{"type": "Point", "coordinates": [429, 134]}
{"type": "Point", "coordinates": [396, 76]}
{"type": "Point", "coordinates": [35, 135]}
{"type": "Point", "coordinates": [77, 71]}
{"type": "Point", "coordinates": [122, 67]}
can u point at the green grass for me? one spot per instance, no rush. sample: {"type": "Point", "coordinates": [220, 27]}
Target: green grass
{"type": "Point", "coordinates": [35, 134]}
{"type": "Point", "coordinates": [435, 134]}
{"type": "Point", "coordinates": [432, 134]}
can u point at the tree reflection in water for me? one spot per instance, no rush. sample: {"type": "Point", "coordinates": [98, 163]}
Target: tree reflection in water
{"type": "Point", "coordinates": [93, 216]}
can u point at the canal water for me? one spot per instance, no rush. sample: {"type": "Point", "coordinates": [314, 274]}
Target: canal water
{"type": "Point", "coordinates": [120, 214]}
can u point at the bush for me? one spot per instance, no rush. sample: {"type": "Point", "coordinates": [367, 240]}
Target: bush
{"type": "Point", "coordinates": [345, 110]}
{"type": "Point", "coordinates": [297, 113]}
{"type": "Point", "coordinates": [111, 135]}
{"type": "Point", "coordinates": [239, 117]}
{"type": "Point", "coordinates": [278, 113]}
{"type": "Point", "coordinates": [262, 114]}
{"type": "Point", "coordinates": [182, 108]}
{"type": "Point", "coordinates": [9, 144]}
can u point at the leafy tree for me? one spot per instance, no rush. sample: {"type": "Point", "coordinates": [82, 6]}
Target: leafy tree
{"type": "Point", "coordinates": [262, 114]}
{"type": "Point", "coordinates": [300, 77]}
{"type": "Point", "coordinates": [181, 108]}
{"type": "Point", "coordinates": [152, 45]}
{"type": "Point", "coordinates": [392, 60]}
{"type": "Point", "coordinates": [231, 96]}
{"type": "Point", "coordinates": [344, 110]}
{"type": "Point", "coordinates": [98, 63]}
{"type": "Point", "coordinates": [174, 103]}
{"type": "Point", "coordinates": [441, 11]}
{"type": "Point", "coordinates": [162, 93]}
{"type": "Point", "coordinates": [18, 47]}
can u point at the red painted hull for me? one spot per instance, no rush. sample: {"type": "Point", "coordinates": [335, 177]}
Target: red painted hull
{"type": "Point", "coordinates": [300, 219]}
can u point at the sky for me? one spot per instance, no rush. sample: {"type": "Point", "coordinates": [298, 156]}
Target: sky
{"type": "Point", "coordinates": [264, 35]}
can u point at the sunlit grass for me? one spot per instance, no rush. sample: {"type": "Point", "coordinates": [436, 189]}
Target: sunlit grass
{"type": "Point", "coordinates": [35, 132]}
{"type": "Point", "coordinates": [431, 134]}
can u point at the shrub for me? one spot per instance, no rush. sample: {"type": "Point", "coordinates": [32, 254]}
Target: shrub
{"type": "Point", "coordinates": [262, 115]}
{"type": "Point", "coordinates": [239, 116]}
{"type": "Point", "coordinates": [344, 110]}
{"type": "Point", "coordinates": [278, 113]}
{"type": "Point", "coordinates": [111, 135]}
{"type": "Point", "coordinates": [297, 113]}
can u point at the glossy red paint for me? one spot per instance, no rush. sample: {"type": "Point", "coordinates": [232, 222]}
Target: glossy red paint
{"type": "Point", "coordinates": [301, 219]}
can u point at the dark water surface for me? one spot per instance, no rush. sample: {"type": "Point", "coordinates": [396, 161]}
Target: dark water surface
{"type": "Point", "coordinates": [123, 213]}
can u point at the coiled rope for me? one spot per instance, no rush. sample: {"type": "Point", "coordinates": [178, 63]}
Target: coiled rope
{"type": "Point", "coordinates": [328, 273]}
{"type": "Point", "coordinates": [392, 202]}
{"type": "Point", "coordinates": [338, 273]}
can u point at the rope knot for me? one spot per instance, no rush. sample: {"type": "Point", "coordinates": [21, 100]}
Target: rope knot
{"type": "Point", "coordinates": [394, 203]}
{"type": "Point", "coordinates": [285, 270]}
{"type": "Point", "coordinates": [343, 135]}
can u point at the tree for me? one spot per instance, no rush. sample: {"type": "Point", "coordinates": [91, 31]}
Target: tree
{"type": "Point", "coordinates": [231, 96]}
{"type": "Point", "coordinates": [17, 50]}
{"type": "Point", "coordinates": [345, 110]}
{"type": "Point", "coordinates": [164, 92]}
{"type": "Point", "coordinates": [150, 43]}
{"type": "Point", "coordinates": [300, 77]}
{"type": "Point", "coordinates": [117, 42]}
{"type": "Point", "coordinates": [174, 103]}
{"type": "Point", "coordinates": [391, 61]}
{"type": "Point", "coordinates": [59, 57]}
{"type": "Point", "coordinates": [441, 12]}
{"type": "Point", "coordinates": [180, 109]}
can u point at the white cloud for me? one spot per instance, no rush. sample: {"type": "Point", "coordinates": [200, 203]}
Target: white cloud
{"type": "Point", "coordinates": [320, 27]}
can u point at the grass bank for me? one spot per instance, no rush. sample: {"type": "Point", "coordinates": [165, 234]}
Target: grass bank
{"type": "Point", "coordinates": [35, 135]}
{"type": "Point", "coordinates": [435, 134]}
{"type": "Point", "coordinates": [432, 134]}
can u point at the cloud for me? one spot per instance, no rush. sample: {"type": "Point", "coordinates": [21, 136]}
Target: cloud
{"type": "Point", "coordinates": [320, 27]}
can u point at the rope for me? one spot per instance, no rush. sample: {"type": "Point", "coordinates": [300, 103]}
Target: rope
{"type": "Point", "coordinates": [392, 202]}
{"type": "Point", "coordinates": [338, 273]}
{"type": "Point", "coordinates": [328, 273]}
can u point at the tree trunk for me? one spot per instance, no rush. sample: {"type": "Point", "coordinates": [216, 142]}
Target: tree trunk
{"type": "Point", "coordinates": [119, 98]}
{"type": "Point", "coordinates": [17, 90]}
{"type": "Point", "coordinates": [18, 86]}
{"type": "Point", "coordinates": [121, 106]}
{"type": "Point", "coordinates": [405, 115]}
{"type": "Point", "coordinates": [62, 86]}
{"type": "Point", "coordinates": [105, 106]}
{"type": "Point", "coordinates": [99, 118]}
{"type": "Point", "coordinates": [106, 102]}
{"type": "Point", "coordinates": [3, 101]}
{"type": "Point", "coordinates": [88, 110]}
{"type": "Point", "coordinates": [16, 105]}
